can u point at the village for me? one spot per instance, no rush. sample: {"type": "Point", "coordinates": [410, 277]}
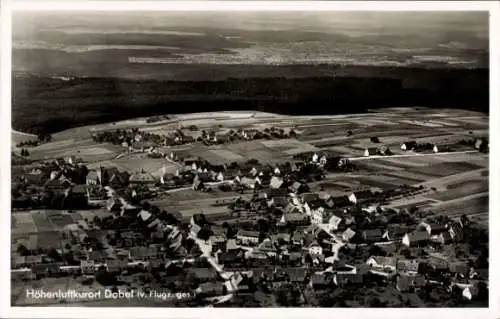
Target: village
{"type": "Point", "coordinates": [246, 232]}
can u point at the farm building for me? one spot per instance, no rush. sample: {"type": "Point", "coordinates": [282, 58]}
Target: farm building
{"type": "Point", "coordinates": [142, 178]}
{"type": "Point", "coordinates": [408, 146]}
{"type": "Point", "coordinates": [417, 238]}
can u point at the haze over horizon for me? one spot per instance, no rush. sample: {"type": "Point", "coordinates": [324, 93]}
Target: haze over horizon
{"type": "Point", "coordinates": [146, 43]}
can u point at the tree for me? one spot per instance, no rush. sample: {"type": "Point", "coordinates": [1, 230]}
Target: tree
{"type": "Point", "coordinates": [374, 139]}
{"type": "Point", "coordinates": [22, 250]}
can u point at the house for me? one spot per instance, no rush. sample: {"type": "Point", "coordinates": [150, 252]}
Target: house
{"type": "Point", "coordinates": [408, 146]}
{"type": "Point", "coordinates": [470, 293]}
{"type": "Point", "coordinates": [456, 231]}
{"type": "Point", "coordinates": [298, 238]}
{"type": "Point", "coordinates": [87, 267]}
{"type": "Point", "coordinates": [407, 283]}
{"type": "Point", "coordinates": [297, 187]}
{"type": "Point", "coordinates": [45, 270]}
{"type": "Point", "coordinates": [407, 265]}
{"type": "Point", "coordinates": [348, 234]}
{"type": "Point", "coordinates": [388, 263]}
{"type": "Point", "coordinates": [142, 178]}
{"type": "Point", "coordinates": [296, 275]}
{"type": "Point", "coordinates": [372, 235]}
{"type": "Point", "coordinates": [274, 192]}
{"type": "Point", "coordinates": [458, 267]}
{"type": "Point", "coordinates": [119, 180]}
{"type": "Point", "coordinates": [248, 182]}
{"type": "Point", "coordinates": [396, 231]}
{"type": "Point", "coordinates": [339, 201]}
{"type": "Point", "coordinates": [203, 274]}
{"type": "Point", "coordinates": [267, 247]}
{"type": "Point", "coordinates": [297, 219]}
{"type": "Point", "coordinates": [279, 202]}
{"type": "Point", "coordinates": [57, 185]}
{"type": "Point", "coordinates": [435, 149]}
{"type": "Point", "coordinates": [347, 279]}
{"type": "Point", "coordinates": [370, 151]}
{"type": "Point", "coordinates": [92, 178]}
{"type": "Point", "coordinates": [432, 228]}
{"type": "Point", "coordinates": [281, 237]}
{"type": "Point", "coordinates": [444, 238]}
{"type": "Point", "coordinates": [360, 196]}
{"type": "Point", "coordinates": [231, 245]}
{"type": "Point", "coordinates": [114, 205]}
{"type": "Point", "coordinates": [143, 253]}
{"type": "Point", "coordinates": [105, 173]}
{"type": "Point", "coordinates": [315, 249]}
{"type": "Point", "coordinates": [309, 197]}
{"type": "Point", "coordinates": [76, 196]}
{"type": "Point", "coordinates": [276, 182]}
{"type": "Point", "coordinates": [417, 238]}
{"type": "Point", "coordinates": [229, 258]}
{"type": "Point", "coordinates": [211, 289]}
{"type": "Point", "coordinates": [33, 260]}
{"type": "Point", "coordinates": [320, 281]}
{"type": "Point", "coordinates": [247, 237]}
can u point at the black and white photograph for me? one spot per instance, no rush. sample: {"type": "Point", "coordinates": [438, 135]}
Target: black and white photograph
{"type": "Point", "coordinates": [248, 159]}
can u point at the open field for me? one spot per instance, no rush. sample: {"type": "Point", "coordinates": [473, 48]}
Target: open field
{"type": "Point", "coordinates": [454, 175]}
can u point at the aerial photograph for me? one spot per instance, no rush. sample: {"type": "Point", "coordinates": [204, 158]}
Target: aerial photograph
{"type": "Point", "coordinates": [264, 159]}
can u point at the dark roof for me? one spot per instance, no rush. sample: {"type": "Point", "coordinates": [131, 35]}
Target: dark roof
{"type": "Point", "coordinates": [348, 278]}
{"type": "Point", "coordinates": [229, 256]}
{"type": "Point", "coordinates": [372, 234]}
{"type": "Point", "coordinates": [407, 265]}
{"type": "Point", "coordinates": [320, 279]}
{"type": "Point", "coordinates": [309, 197]}
{"type": "Point", "coordinates": [295, 217]}
{"type": "Point", "coordinates": [419, 236]}
{"type": "Point", "coordinates": [280, 201]}
{"type": "Point", "coordinates": [276, 192]}
{"type": "Point", "coordinates": [316, 204]}
{"type": "Point", "coordinates": [203, 273]}
{"type": "Point", "coordinates": [296, 274]}
{"type": "Point", "coordinates": [339, 201]}
{"type": "Point", "coordinates": [458, 267]}
{"type": "Point", "coordinates": [363, 194]}
{"type": "Point", "coordinates": [247, 233]}
{"type": "Point", "coordinates": [79, 189]}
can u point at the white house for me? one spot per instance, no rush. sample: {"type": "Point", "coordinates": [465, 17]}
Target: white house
{"type": "Point", "coordinates": [220, 177]}
{"type": "Point", "coordinates": [352, 198]}
{"type": "Point", "coordinates": [382, 262]}
{"type": "Point", "coordinates": [316, 214]}
{"type": "Point", "coordinates": [277, 171]}
{"type": "Point", "coordinates": [253, 171]}
{"type": "Point", "coordinates": [403, 147]}
{"type": "Point", "coordinates": [315, 249]}
{"type": "Point", "coordinates": [334, 222]}
{"type": "Point", "coordinates": [194, 167]}
{"type": "Point", "coordinates": [315, 158]}
{"type": "Point", "coordinates": [435, 149]}
{"type": "Point", "coordinates": [469, 292]}
{"type": "Point", "coordinates": [366, 153]}
{"type": "Point", "coordinates": [322, 160]}
{"type": "Point", "coordinates": [276, 182]}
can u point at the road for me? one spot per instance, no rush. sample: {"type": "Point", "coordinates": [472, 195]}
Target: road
{"type": "Point", "coordinates": [360, 158]}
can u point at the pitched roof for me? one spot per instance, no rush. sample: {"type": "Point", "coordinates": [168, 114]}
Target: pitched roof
{"type": "Point", "coordinates": [309, 197]}
{"type": "Point", "coordinates": [419, 236]}
{"type": "Point", "coordinates": [142, 177]}
{"type": "Point", "coordinates": [79, 189]}
{"type": "Point", "coordinates": [247, 233]}
{"type": "Point", "coordinates": [276, 182]}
